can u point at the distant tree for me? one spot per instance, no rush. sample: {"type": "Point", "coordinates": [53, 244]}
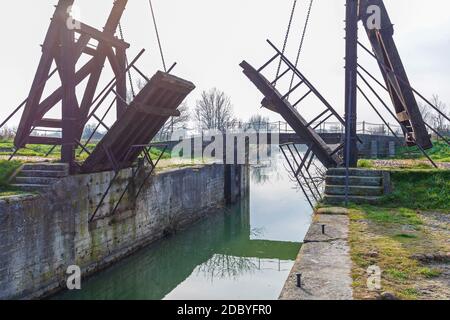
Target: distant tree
{"type": "Point", "coordinates": [439, 121]}
{"type": "Point", "coordinates": [175, 123]}
{"type": "Point", "coordinates": [7, 133]}
{"type": "Point", "coordinates": [89, 129]}
{"type": "Point", "coordinates": [258, 123]}
{"type": "Point", "coordinates": [214, 111]}
{"type": "Point", "coordinates": [427, 115]}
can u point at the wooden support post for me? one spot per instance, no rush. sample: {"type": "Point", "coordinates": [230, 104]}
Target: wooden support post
{"type": "Point", "coordinates": [351, 64]}
{"type": "Point", "coordinates": [69, 99]}
{"type": "Point", "coordinates": [121, 86]}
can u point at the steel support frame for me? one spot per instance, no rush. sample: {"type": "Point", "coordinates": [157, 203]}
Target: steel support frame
{"type": "Point", "coordinates": [351, 62]}
{"type": "Point", "coordinates": [61, 47]}
{"type": "Point", "coordinates": [145, 149]}
{"type": "Point", "coordinates": [299, 166]}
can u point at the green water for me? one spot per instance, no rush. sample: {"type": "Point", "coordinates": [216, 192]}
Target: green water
{"type": "Point", "coordinates": [244, 252]}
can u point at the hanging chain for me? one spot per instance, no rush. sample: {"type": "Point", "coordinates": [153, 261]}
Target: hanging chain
{"type": "Point", "coordinates": [305, 28]}
{"type": "Point", "coordinates": [286, 37]}
{"type": "Point", "coordinates": [126, 60]}
{"type": "Point", "coordinates": [157, 36]}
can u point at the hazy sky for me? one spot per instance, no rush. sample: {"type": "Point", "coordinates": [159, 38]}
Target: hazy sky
{"type": "Point", "coordinates": [209, 38]}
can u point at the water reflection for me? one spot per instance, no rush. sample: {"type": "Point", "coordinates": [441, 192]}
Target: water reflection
{"type": "Point", "coordinates": [245, 252]}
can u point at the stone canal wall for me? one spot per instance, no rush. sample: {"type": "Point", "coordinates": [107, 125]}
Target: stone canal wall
{"type": "Point", "coordinates": [40, 236]}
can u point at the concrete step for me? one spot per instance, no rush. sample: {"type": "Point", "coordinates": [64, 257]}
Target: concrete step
{"type": "Point", "coordinates": [354, 191]}
{"type": "Point", "coordinates": [340, 200]}
{"type": "Point", "coordinates": [46, 167]}
{"type": "Point", "coordinates": [43, 173]}
{"type": "Point", "coordinates": [35, 180]}
{"type": "Point", "coordinates": [31, 187]}
{"type": "Point", "coordinates": [355, 181]}
{"type": "Point", "coordinates": [354, 172]}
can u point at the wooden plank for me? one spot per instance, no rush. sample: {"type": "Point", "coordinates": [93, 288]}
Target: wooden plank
{"type": "Point", "coordinates": [44, 140]}
{"type": "Point", "coordinates": [157, 111]}
{"type": "Point", "coordinates": [48, 123]}
{"type": "Point", "coordinates": [102, 36]}
{"type": "Point", "coordinates": [149, 111]}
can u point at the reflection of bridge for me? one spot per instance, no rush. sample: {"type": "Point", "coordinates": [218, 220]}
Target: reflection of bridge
{"type": "Point", "coordinates": [220, 246]}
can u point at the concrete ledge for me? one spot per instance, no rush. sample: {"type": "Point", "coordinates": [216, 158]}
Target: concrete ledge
{"type": "Point", "coordinates": [325, 269]}
{"type": "Point", "coordinates": [333, 210]}
{"type": "Point", "coordinates": [324, 260]}
{"type": "Point", "coordinates": [335, 227]}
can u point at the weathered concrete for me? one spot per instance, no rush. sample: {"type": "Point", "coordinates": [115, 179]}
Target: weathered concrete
{"type": "Point", "coordinates": [40, 236]}
{"type": "Point", "coordinates": [324, 261]}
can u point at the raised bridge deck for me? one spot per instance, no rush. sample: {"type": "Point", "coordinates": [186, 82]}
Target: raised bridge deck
{"type": "Point", "coordinates": [274, 101]}
{"type": "Point", "coordinates": [145, 116]}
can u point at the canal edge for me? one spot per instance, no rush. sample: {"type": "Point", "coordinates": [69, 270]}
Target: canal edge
{"type": "Point", "coordinates": [322, 270]}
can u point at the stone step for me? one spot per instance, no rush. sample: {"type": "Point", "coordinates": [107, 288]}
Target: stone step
{"type": "Point", "coordinates": [354, 172]}
{"type": "Point", "coordinates": [46, 167]}
{"type": "Point", "coordinates": [340, 200]}
{"type": "Point", "coordinates": [43, 173]}
{"type": "Point", "coordinates": [354, 191]}
{"type": "Point", "coordinates": [31, 187]}
{"type": "Point", "coordinates": [36, 180]}
{"type": "Point", "coordinates": [355, 181]}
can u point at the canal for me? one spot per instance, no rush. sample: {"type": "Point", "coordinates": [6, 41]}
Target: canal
{"type": "Point", "coordinates": [243, 252]}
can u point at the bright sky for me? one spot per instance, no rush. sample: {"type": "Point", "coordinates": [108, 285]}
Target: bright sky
{"type": "Point", "coordinates": [209, 38]}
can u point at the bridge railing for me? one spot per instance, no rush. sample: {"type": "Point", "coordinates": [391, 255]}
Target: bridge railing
{"type": "Point", "coordinates": [282, 127]}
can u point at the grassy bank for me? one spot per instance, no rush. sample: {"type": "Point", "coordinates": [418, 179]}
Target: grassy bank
{"type": "Point", "coordinates": [412, 222]}
{"type": "Point", "coordinates": [440, 152]}
{"type": "Point", "coordinates": [7, 168]}
{"type": "Point", "coordinates": [420, 189]}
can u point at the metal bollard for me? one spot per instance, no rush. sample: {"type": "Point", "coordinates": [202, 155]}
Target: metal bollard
{"type": "Point", "coordinates": [299, 280]}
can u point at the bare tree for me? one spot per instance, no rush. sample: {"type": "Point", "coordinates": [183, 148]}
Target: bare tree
{"type": "Point", "coordinates": [427, 115]}
{"type": "Point", "coordinates": [176, 123]}
{"type": "Point", "coordinates": [7, 133]}
{"type": "Point", "coordinates": [214, 110]}
{"type": "Point", "coordinates": [258, 123]}
{"type": "Point", "coordinates": [439, 121]}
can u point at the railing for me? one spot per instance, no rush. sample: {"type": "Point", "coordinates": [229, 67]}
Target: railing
{"type": "Point", "coordinates": [280, 127]}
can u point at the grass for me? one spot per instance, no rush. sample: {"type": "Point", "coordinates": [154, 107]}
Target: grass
{"type": "Point", "coordinates": [43, 151]}
{"type": "Point", "coordinates": [7, 168]}
{"type": "Point", "coordinates": [420, 189]}
{"type": "Point", "coordinates": [382, 231]}
{"type": "Point", "coordinates": [440, 152]}
{"type": "Point", "coordinates": [396, 230]}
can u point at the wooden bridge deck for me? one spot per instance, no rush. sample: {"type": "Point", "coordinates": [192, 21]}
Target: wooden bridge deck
{"type": "Point", "coordinates": [150, 110]}
{"type": "Point", "coordinates": [274, 101]}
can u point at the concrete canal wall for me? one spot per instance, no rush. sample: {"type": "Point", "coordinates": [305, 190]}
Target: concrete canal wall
{"type": "Point", "coordinates": [40, 236]}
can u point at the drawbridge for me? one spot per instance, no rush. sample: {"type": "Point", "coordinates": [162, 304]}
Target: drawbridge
{"type": "Point", "coordinates": [280, 103]}
{"type": "Point", "coordinates": [77, 53]}
{"type": "Point", "coordinates": [295, 107]}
